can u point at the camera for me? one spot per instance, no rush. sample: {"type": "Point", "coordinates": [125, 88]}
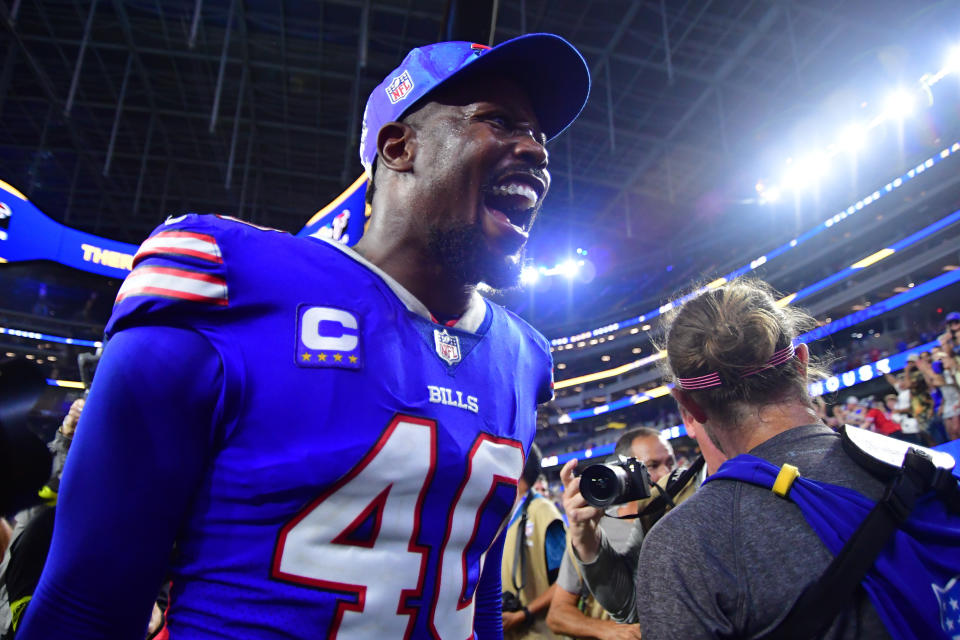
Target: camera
{"type": "Point", "coordinates": [603, 485]}
{"type": "Point", "coordinates": [511, 602]}
{"type": "Point", "coordinates": [87, 362]}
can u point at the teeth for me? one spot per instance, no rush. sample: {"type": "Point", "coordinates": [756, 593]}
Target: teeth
{"type": "Point", "coordinates": [517, 189]}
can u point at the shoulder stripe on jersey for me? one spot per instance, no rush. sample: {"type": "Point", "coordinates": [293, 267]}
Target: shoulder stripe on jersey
{"type": "Point", "coordinates": [170, 282]}
{"type": "Point", "coordinates": [181, 243]}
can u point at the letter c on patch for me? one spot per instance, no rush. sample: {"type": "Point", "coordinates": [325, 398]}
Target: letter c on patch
{"type": "Point", "coordinates": [310, 329]}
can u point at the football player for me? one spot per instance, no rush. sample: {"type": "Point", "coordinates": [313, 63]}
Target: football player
{"type": "Point", "coordinates": [314, 441]}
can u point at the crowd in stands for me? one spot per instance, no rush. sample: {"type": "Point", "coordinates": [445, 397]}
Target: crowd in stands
{"type": "Point", "coordinates": [923, 406]}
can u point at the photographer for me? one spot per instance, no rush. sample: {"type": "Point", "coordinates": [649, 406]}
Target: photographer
{"type": "Point", "coordinates": [610, 574]}
{"type": "Point", "coordinates": [733, 561]}
{"type": "Point", "coordinates": [532, 551]}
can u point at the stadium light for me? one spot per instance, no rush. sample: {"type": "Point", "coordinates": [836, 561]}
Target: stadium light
{"type": "Point", "coordinates": [569, 268]}
{"type": "Point", "coordinates": [952, 64]}
{"type": "Point", "coordinates": [805, 171]}
{"type": "Point", "coordinates": [772, 194]}
{"type": "Point", "coordinates": [853, 138]}
{"type": "Point", "coordinates": [529, 275]}
{"type": "Point", "coordinates": [898, 105]}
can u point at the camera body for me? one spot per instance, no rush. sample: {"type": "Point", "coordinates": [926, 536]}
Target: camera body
{"type": "Point", "coordinates": [511, 602]}
{"type": "Point", "coordinates": [626, 480]}
{"type": "Point", "coordinates": [87, 362]}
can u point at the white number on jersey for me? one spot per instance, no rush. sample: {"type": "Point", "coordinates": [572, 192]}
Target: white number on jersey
{"type": "Point", "coordinates": [359, 538]}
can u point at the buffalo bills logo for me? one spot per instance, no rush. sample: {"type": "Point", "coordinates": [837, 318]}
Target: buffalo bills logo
{"type": "Point", "coordinates": [400, 87]}
{"type": "Point", "coordinates": [448, 346]}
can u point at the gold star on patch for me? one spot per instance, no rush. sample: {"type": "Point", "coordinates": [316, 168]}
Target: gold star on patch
{"type": "Point", "coordinates": [337, 357]}
{"type": "Point", "coordinates": [353, 358]}
{"type": "Point", "coordinates": [305, 357]}
{"type": "Point", "coordinates": [321, 357]}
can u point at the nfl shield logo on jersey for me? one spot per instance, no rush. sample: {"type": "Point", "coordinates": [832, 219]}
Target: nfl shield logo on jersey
{"type": "Point", "coordinates": [448, 346]}
{"type": "Point", "coordinates": [399, 87]}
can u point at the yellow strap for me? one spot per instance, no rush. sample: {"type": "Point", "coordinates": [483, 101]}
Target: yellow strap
{"type": "Point", "coordinates": [788, 473]}
{"type": "Point", "coordinates": [48, 495]}
{"type": "Point", "coordinates": [17, 607]}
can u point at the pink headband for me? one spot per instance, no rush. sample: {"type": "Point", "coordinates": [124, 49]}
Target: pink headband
{"type": "Point", "coordinates": [713, 379]}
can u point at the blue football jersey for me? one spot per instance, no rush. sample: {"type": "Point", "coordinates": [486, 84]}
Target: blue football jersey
{"type": "Point", "coordinates": [366, 456]}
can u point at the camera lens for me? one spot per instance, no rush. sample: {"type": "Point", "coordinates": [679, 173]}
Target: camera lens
{"type": "Point", "coordinates": [602, 485]}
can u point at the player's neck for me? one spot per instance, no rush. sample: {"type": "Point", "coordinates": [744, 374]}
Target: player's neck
{"type": "Point", "coordinates": [425, 280]}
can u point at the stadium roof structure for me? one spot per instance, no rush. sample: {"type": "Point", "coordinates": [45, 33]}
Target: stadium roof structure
{"type": "Point", "coordinates": [115, 113]}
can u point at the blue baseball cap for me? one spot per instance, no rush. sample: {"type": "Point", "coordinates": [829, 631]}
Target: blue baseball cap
{"type": "Point", "coordinates": [953, 316]}
{"type": "Point", "coordinates": [554, 72]}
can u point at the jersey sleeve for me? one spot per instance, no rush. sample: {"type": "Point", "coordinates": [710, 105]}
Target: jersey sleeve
{"type": "Point", "coordinates": [487, 616]}
{"type": "Point", "coordinates": [135, 464]}
{"type": "Point", "coordinates": [179, 276]}
{"type": "Point", "coordinates": [544, 363]}
{"type": "Point", "coordinates": [545, 388]}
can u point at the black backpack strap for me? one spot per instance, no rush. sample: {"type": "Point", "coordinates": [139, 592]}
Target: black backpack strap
{"type": "Point", "coordinates": [822, 601]}
{"type": "Point", "coordinates": [519, 557]}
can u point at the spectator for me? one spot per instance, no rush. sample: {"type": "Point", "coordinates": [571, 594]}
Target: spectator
{"type": "Point", "coordinates": [921, 402]}
{"type": "Point", "coordinates": [879, 419]}
{"type": "Point", "coordinates": [945, 369]}
{"type": "Point", "coordinates": [950, 338]}
{"type": "Point", "coordinates": [852, 412]}
{"type": "Point", "coordinates": [532, 552]}
{"type": "Point", "coordinates": [720, 572]}
{"type": "Point", "coordinates": [899, 410]}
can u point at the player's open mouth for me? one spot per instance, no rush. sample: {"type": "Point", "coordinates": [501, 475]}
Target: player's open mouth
{"type": "Point", "coordinates": [513, 201]}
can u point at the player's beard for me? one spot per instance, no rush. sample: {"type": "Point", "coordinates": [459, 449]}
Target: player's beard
{"type": "Point", "coordinates": [463, 252]}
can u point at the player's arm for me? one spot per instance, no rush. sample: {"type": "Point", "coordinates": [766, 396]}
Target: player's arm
{"type": "Point", "coordinates": [132, 473]}
{"type": "Point", "coordinates": [487, 621]}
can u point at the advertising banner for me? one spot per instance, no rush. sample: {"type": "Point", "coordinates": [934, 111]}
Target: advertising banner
{"type": "Point", "coordinates": [27, 234]}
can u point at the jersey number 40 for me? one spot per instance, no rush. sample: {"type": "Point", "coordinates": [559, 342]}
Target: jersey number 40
{"type": "Point", "coordinates": [359, 538]}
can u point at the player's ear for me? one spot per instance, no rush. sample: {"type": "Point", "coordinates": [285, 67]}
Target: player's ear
{"type": "Point", "coordinates": [396, 145]}
{"type": "Point", "coordinates": [689, 405]}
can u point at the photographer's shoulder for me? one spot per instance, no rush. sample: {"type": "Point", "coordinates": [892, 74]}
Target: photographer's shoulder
{"type": "Point", "coordinates": [711, 508]}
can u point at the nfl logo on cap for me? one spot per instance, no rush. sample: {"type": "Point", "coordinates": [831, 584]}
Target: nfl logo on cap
{"type": "Point", "coordinates": [448, 346]}
{"type": "Point", "coordinates": [399, 87]}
